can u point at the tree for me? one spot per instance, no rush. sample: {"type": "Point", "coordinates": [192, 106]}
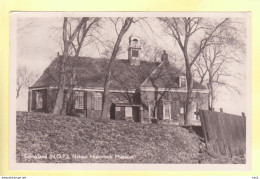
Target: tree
{"type": "Point", "coordinates": [24, 78]}
{"type": "Point", "coordinates": [71, 74]}
{"type": "Point", "coordinates": [183, 30]}
{"type": "Point", "coordinates": [126, 23]}
{"type": "Point", "coordinates": [68, 38]}
{"type": "Point", "coordinates": [213, 66]}
{"type": "Point", "coordinates": [210, 67]}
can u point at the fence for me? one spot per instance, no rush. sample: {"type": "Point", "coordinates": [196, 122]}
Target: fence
{"type": "Point", "coordinates": [224, 133]}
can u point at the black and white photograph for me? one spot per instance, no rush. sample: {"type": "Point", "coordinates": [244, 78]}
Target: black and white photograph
{"type": "Point", "coordinates": [130, 89]}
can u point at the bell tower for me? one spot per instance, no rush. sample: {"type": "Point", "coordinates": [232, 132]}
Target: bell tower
{"type": "Point", "coordinates": [133, 50]}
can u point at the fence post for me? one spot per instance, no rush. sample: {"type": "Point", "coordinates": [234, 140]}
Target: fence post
{"type": "Point", "coordinates": [221, 109]}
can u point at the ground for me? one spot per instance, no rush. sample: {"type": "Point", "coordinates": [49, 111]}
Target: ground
{"type": "Point", "coordinates": [48, 138]}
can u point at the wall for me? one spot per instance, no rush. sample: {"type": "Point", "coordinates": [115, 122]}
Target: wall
{"type": "Point", "coordinates": [88, 110]}
{"type": "Point", "coordinates": [177, 100]}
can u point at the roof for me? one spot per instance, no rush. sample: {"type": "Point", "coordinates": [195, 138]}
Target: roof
{"type": "Point", "coordinates": [90, 73]}
{"type": "Point", "coordinates": [166, 76]}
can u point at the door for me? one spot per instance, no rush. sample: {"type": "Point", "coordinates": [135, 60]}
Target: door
{"type": "Point", "coordinates": [136, 114]}
{"type": "Point", "coordinates": [167, 111]}
{"type": "Point", "coordinates": [128, 112]}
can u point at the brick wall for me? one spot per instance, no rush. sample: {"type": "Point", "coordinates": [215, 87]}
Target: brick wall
{"type": "Point", "coordinates": [176, 99]}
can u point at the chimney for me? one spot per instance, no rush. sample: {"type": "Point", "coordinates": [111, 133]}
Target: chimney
{"type": "Point", "coordinates": [133, 51]}
{"type": "Point", "coordinates": [164, 56]}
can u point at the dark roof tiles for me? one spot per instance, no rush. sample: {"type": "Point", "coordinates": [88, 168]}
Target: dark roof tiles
{"type": "Point", "coordinates": [90, 73]}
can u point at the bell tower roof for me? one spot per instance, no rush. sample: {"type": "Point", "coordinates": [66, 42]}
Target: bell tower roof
{"type": "Point", "coordinates": [134, 42]}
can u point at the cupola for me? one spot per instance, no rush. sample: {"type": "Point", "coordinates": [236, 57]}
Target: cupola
{"type": "Point", "coordinates": [133, 50]}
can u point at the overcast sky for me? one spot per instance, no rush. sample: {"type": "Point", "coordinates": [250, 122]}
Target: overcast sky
{"type": "Point", "coordinates": [39, 39]}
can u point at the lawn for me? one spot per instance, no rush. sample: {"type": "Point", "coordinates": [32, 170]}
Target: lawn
{"type": "Point", "coordinates": [48, 138]}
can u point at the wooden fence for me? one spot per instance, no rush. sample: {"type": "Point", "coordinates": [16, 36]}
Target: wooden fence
{"type": "Point", "coordinates": [224, 133]}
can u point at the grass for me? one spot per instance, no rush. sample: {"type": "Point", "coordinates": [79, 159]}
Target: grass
{"type": "Point", "coordinates": [48, 138]}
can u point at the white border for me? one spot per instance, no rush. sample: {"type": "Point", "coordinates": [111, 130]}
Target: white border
{"type": "Point", "coordinates": [119, 167]}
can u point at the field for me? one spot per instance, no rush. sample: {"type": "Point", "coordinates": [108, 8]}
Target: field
{"type": "Point", "coordinates": [47, 138]}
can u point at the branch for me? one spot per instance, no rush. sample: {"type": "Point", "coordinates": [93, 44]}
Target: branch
{"type": "Point", "coordinates": [204, 42]}
{"type": "Point", "coordinates": [115, 24]}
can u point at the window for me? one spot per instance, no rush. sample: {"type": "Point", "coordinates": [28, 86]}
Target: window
{"type": "Point", "coordinates": [135, 53]}
{"type": "Point", "coordinates": [97, 101]}
{"type": "Point", "coordinates": [152, 110]}
{"type": "Point", "coordinates": [181, 110]}
{"type": "Point", "coordinates": [39, 100]}
{"type": "Point", "coordinates": [194, 106]}
{"type": "Point", "coordinates": [128, 112]}
{"type": "Point", "coordinates": [182, 81]}
{"type": "Point", "coordinates": [167, 110]}
{"type": "Point", "coordinates": [79, 100]}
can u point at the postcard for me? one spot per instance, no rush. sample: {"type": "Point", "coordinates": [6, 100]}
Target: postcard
{"type": "Point", "coordinates": [130, 91]}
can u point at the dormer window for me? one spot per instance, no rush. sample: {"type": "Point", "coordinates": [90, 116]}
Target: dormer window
{"type": "Point", "coordinates": [182, 81]}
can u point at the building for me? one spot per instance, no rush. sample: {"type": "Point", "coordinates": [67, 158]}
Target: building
{"type": "Point", "coordinates": [140, 91]}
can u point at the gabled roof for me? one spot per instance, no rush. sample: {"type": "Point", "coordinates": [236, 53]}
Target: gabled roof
{"type": "Point", "coordinates": [90, 73]}
{"type": "Point", "coordinates": [166, 76]}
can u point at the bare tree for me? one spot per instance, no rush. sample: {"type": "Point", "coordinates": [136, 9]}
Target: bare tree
{"type": "Point", "coordinates": [126, 23]}
{"type": "Point", "coordinates": [210, 68]}
{"type": "Point", "coordinates": [213, 66]}
{"type": "Point", "coordinates": [25, 26]}
{"type": "Point", "coordinates": [85, 31]}
{"type": "Point", "coordinates": [182, 30]}
{"type": "Point", "coordinates": [68, 38]}
{"type": "Point", "coordinates": [24, 78]}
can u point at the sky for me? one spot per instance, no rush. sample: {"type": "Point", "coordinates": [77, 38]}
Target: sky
{"type": "Point", "coordinates": [39, 40]}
